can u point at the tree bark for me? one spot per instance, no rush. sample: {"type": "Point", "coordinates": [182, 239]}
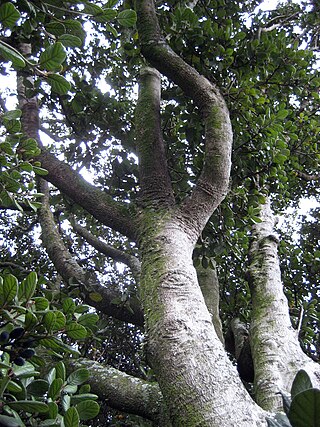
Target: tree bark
{"type": "Point", "coordinates": [124, 392]}
{"type": "Point", "coordinates": [276, 351]}
{"type": "Point", "coordinates": [199, 383]}
{"type": "Point", "coordinates": [209, 284]}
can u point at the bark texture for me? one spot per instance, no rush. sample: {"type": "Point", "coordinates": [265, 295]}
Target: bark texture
{"type": "Point", "coordinates": [209, 284]}
{"type": "Point", "coordinates": [199, 384]}
{"type": "Point", "coordinates": [276, 351]}
{"type": "Point", "coordinates": [124, 392]}
{"type": "Point", "coordinates": [212, 185]}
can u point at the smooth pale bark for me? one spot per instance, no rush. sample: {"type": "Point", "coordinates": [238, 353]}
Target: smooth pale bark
{"type": "Point", "coordinates": [212, 185]}
{"type": "Point", "coordinates": [276, 351]}
{"type": "Point", "coordinates": [200, 385]}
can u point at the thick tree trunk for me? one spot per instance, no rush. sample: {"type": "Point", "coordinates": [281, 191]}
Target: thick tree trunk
{"type": "Point", "coordinates": [276, 351]}
{"type": "Point", "coordinates": [200, 385]}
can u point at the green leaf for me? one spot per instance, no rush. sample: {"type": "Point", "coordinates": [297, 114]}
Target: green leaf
{"type": "Point", "coordinates": [95, 296]}
{"type": "Point", "coordinates": [55, 388]}
{"type": "Point", "coordinates": [61, 370]}
{"type": "Point", "coordinates": [71, 389]}
{"type": "Point", "coordinates": [12, 114]}
{"type": "Point", "coordinates": [55, 28]}
{"type": "Point", "coordinates": [58, 84]}
{"type": "Point", "coordinates": [78, 377]}
{"type": "Point", "coordinates": [127, 18]}
{"type": "Point", "coordinates": [301, 383]}
{"type": "Point", "coordinates": [71, 418]}
{"type": "Point", "coordinates": [106, 16]}
{"type": "Point", "coordinates": [40, 171]}
{"type": "Point", "coordinates": [38, 388]}
{"type": "Point", "coordinates": [88, 319]}
{"type": "Point", "coordinates": [76, 331]}
{"type": "Point", "coordinates": [11, 55]}
{"type": "Point", "coordinates": [28, 287]}
{"type": "Point", "coordinates": [65, 401]}
{"type": "Point", "coordinates": [13, 387]}
{"type": "Point", "coordinates": [9, 15]}
{"type": "Point", "coordinates": [282, 114]}
{"type": "Point", "coordinates": [48, 320]}
{"type": "Point", "coordinates": [53, 409]}
{"type": "Point", "coordinates": [60, 321]}
{"type": "Point", "coordinates": [77, 398]}
{"type": "Point", "coordinates": [305, 409]}
{"type": "Point", "coordinates": [57, 345]}
{"type": "Point", "coordinates": [28, 406]}
{"type": "Point", "coordinates": [10, 288]}
{"type": "Point", "coordinates": [68, 40]}
{"type": "Point", "coordinates": [12, 126]}
{"type": "Point", "coordinates": [88, 409]}
{"type": "Point", "coordinates": [41, 303]}
{"type": "Point", "coordinates": [26, 166]}
{"type": "Point", "coordinates": [52, 58]}
{"type": "Point", "coordinates": [6, 421]}
{"type": "Point", "coordinates": [30, 320]}
{"type": "Point", "coordinates": [68, 306]}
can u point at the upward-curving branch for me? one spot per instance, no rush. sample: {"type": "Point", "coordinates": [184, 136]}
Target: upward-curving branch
{"type": "Point", "coordinates": [212, 185]}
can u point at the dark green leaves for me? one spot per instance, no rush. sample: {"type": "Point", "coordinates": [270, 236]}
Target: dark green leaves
{"type": "Point", "coordinates": [28, 406]}
{"type": "Point", "coordinates": [9, 15]}
{"type": "Point", "coordinates": [58, 84]}
{"type": "Point", "coordinates": [305, 409]}
{"type": "Point", "coordinates": [9, 290]}
{"type": "Point", "coordinates": [301, 383]}
{"type": "Point", "coordinates": [78, 377]}
{"type": "Point", "coordinates": [12, 55]}
{"type": "Point", "coordinates": [53, 57]}
{"type": "Point", "coordinates": [71, 418]}
{"type": "Point", "coordinates": [127, 18]}
{"type": "Point", "coordinates": [87, 409]}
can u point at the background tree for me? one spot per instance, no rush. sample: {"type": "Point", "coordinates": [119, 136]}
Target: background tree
{"type": "Point", "coordinates": [140, 204]}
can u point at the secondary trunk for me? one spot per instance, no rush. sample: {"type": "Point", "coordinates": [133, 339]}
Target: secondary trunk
{"type": "Point", "coordinates": [276, 351]}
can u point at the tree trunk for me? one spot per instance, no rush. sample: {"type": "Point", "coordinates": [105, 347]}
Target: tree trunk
{"type": "Point", "coordinates": [276, 351]}
{"type": "Point", "coordinates": [199, 384]}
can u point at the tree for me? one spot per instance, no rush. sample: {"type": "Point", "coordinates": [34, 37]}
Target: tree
{"type": "Point", "coordinates": [238, 99]}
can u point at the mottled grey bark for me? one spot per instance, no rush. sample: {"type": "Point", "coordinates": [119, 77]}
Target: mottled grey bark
{"type": "Point", "coordinates": [124, 392]}
{"type": "Point", "coordinates": [199, 383]}
{"type": "Point", "coordinates": [276, 351]}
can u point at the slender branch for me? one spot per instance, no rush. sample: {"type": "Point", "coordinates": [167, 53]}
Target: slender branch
{"type": "Point", "coordinates": [92, 199]}
{"type": "Point", "coordinates": [308, 177]}
{"type": "Point", "coordinates": [212, 185]}
{"type": "Point", "coordinates": [117, 255]}
{"type": "Point", "coordinates": [154, 175]}
{"type": "Point", "coordinates": [100, 297]}
{"type": "Point", "coordinates": [60, 174]}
